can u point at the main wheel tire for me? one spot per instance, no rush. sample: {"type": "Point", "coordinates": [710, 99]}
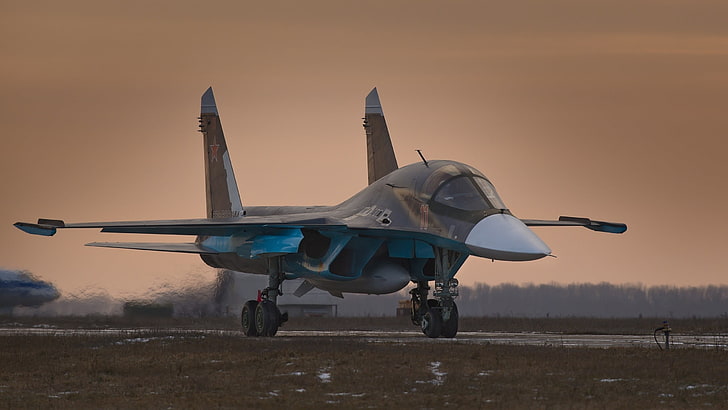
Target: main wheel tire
{"type": "Point", "coordinates": [432, 323]}
{"type": "Point", "coordinates": [247, 318]}
{"type": "Point", "coordinates": [450, 326]}
{"type": "Point", "coordinates": [267, 318]}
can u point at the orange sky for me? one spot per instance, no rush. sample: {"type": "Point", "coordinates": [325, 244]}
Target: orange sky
{"type": "Point", "coordinates": [612, 110]}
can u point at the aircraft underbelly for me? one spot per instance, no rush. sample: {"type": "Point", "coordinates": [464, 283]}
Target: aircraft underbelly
{"type": "Point", "coordinates": [234, 262]}
{"type": "Point", "coordinates": [381, 277]}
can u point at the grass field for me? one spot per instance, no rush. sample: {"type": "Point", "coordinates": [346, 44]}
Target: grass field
{"type": "Point", "coordinates": [161, 369]}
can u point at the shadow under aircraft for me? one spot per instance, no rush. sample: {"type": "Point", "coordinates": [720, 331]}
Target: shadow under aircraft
{"type": "Point", "coordinates": [412, 224]}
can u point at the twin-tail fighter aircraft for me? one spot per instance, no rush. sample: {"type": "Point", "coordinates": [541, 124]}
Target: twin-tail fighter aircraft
{"type": "Point", "coordinates": [417, 223]}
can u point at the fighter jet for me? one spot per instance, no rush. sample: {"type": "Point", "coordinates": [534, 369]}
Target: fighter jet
{"type": "Point", "coordinates": [21, 288]}
{"type": "Point", "coordinates": [417, 223]}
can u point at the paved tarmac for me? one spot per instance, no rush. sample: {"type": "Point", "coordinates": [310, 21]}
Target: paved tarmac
{"type": "Point", "coordinates": [409, 337]}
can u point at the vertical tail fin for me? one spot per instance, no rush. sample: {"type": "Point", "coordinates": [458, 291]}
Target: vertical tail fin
{"type": "Point", "coordinates": [380, 154]}
{"type": "Point", "coordinates": [223, 198]}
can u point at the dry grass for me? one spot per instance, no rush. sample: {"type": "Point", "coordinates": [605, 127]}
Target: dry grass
{"type": "Point", "coordinates": [160, 370]}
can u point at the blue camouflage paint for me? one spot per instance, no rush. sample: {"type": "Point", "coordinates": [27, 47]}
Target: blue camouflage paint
{"type": "Point", "coordinates": [283, 241]}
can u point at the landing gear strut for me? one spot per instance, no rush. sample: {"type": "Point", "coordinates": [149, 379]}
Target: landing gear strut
{"type": "Point", "coordinates": [262, 317]}
{"type": "Point", "coordinates": [439, 316]}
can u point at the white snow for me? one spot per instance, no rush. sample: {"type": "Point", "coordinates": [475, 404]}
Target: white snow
{"type": "Point", "coordinates": [439, 379]}
{"type": "Point", "coordinates": [324, 375]}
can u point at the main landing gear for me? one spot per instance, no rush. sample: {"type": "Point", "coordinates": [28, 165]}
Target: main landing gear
{"type": "Point", "coordinates": [262, 317]}
{"type": "Point", "coordinates": [439, 316]}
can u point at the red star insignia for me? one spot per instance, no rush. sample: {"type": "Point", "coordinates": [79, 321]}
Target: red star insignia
{"type": "Point", "coordinates": [213, 151]}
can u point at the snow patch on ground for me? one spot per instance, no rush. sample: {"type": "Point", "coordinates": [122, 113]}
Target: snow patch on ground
{"type": "Point", "coordinates": [62, 393]}
{"type": "Point", "coordinates": [296, 373]}
{"type": "Point", "coordinates": [142, 340]}
{"type": "Point", "coordinates": [324, 375]}
{"type": "Point", "coordinates": [346, 394]}
{"type": "Point", "coordinates": [702, 389]}
{"type": "Point", "coordinates": [439, 379]}
{"type": "Point", "coordinates": [697, 386]}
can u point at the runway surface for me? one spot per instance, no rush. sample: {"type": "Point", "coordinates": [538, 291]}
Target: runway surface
{"type": "Point", "coordinates": [719, 341]}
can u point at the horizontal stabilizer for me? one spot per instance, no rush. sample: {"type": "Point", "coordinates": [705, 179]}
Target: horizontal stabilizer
{"type": "Point", "coordinates": [599, 226]}
{"type": "Point", "coordinates": [160, 247]}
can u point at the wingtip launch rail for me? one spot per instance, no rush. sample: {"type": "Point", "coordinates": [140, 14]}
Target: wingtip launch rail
{"type": "Point", "coordinates": [598, 226]}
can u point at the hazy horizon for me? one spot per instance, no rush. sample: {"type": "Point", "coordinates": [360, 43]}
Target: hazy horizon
{"type": "Point", "coordinates": [224, 297]}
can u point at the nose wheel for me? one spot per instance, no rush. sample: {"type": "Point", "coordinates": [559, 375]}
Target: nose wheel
{"type": "Point", "coordinates": [431, 321]}
{"type": "Point", "coordinates": [436, 318]}
{"type": "Point", "coordinates": [450, 326]}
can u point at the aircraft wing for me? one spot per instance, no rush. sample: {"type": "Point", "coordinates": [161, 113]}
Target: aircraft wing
{"type": "Point", "coordinates": [599, 226]}
{"type": "Point", "coordinates": [204, 227]}
{"type": "Point", "coordinates": [277, 232]}
{"type": "Point", "coordinates": [263, 233]}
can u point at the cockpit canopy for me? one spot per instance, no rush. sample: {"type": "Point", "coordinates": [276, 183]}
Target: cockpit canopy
{"type": "Point", "coordinates": [468, 194]}
{"type": "Point", "coordinates": [461, 187]}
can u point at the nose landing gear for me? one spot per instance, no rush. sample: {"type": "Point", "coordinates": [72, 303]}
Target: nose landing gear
{"type": "Point", "coordinates": [439, 317]}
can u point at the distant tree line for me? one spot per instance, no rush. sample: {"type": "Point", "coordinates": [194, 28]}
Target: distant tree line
{"type": "Point", "coordinates": [602, 300]}
{"type": "Point", "coordinates": [593, 300]}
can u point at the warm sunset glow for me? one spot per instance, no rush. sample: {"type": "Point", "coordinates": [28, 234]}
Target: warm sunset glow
{"type": "Point", "coordinates": [612, 110]}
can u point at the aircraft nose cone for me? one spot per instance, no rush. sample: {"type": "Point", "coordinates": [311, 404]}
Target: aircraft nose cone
{"type": "Point", "coordinates": [505, 237]}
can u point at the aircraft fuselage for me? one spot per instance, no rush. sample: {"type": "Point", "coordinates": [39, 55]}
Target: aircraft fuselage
{"type": "Point", "coordinates": [440, 203]}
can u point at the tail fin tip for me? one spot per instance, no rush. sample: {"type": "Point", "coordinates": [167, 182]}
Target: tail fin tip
{"type": "Point", "coordinates": [373, 105]}
{"type": "Point", "coordinates": [208, 105]}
